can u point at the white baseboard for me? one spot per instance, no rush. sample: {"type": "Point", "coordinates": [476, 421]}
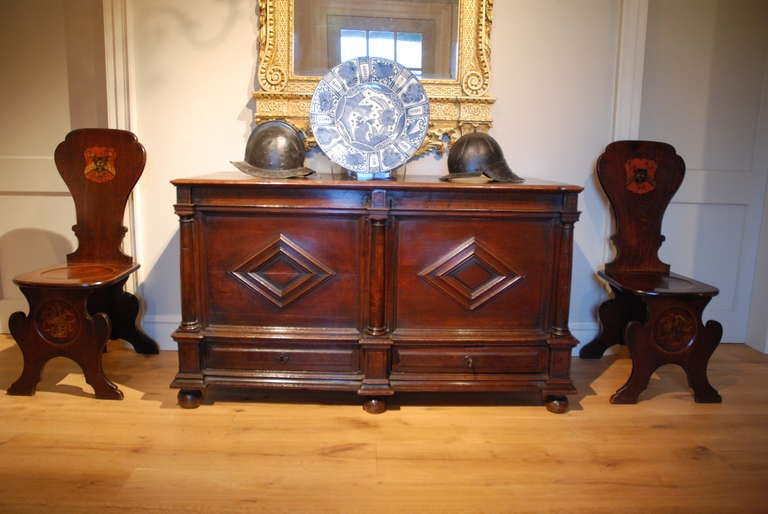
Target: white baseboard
{"type": "Point", "coordinates": [160, 329]}
{"type": "Point", "coordinates": [584, 332]}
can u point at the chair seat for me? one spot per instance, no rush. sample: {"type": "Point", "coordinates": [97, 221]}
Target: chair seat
{"type": "Point", "coordinates": [82, 275]}
{"type": "Point", "coordinates": [657, 284]}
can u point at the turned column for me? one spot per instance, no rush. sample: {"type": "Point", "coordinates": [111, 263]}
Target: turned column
{"type": "Point", "coordinates": [561, 341]}
{"type": "Point", "coordinates": [189, 378]}
{"type": "Point", "coordinates": [376, 344]}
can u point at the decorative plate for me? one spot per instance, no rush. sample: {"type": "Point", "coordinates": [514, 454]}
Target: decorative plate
{"type": "Point", "coordinates": [369, 114]}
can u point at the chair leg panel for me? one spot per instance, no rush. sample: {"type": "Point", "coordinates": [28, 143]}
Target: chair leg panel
{"type": "Point", "coordinates": [59, 324]}
{"type": "Point", "coordinates": [698, 359]}
{"type": "Point", "coordinates": [26, 384]}
{"type": "Point", "coordinates": [644, 363]}
{"type": "Point", "coordinates": [613, 319]}
{"type": "Point", "coordinates": [89, 354]}
{"type": "Point", "coordinates": [123, 314]}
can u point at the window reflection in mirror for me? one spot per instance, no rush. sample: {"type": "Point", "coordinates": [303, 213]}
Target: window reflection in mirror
{"type": "Point", "coordinates": [419, 34]}
{"type": "Point", "coordinates": [403, 47]}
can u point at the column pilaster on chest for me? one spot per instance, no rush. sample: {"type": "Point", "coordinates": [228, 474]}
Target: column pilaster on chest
{"type": "Point", "coordinates": [563, 258]}
{"type": "Point", "coordinates": [376, 343]}
{"type": "Point", "coordinates": [189, 379]}
{"type": "Point", "coordinates": [185, 210]}
{"type": "Point", "coordinates": [378, 218]}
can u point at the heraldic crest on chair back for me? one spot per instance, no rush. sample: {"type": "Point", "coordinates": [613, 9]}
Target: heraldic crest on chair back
{"type": "Point", "coordinates": [76, 308]}
{"type": "Point", "coordinates": [100, 168]}
{"type": "Point", "coordinates": [640, 181]}
{"type": "Point", "coordinates": [655, 312]}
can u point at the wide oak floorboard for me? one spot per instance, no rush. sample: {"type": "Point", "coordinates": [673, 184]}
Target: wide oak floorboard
{"type": "Point", "coordinates": [63, 451]}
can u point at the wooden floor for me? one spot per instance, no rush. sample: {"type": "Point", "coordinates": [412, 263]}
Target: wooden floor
{"type": "Point", "coordinates": [63, 451]}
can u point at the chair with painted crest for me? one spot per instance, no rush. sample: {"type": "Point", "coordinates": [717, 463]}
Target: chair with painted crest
{"type": "Point", "coordinates": [75, 308]}
{"type": "Point", "coordinates": [655, 312]}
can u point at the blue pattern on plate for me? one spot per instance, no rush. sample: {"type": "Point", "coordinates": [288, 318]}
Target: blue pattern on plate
{"type": "Point", "coordinates": [413, 93]}
{"type": "Point", "coordinates": [391, 158]}
{"type": "Point", "coordinates": [383, 69]}
{"type": "Point", "coordinates": [355, 159]}
{"type": "Point", "coordinates": [348, 71]}
{"type": "Point", "coordinates": [369, 114]}
{"type": "Point", "coordinates": [326, 99]}
{"type": "Point", "coordinates": [325, 135]}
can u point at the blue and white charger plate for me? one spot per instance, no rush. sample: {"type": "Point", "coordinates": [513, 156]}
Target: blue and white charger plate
{"type": "Point", "coordinates": [369, 115]}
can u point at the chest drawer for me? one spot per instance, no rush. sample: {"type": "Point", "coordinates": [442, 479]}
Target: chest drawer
{"type": "Point", "coordinates": [470, 359]}
{"type": "Point", "coordinates": [289, 358]}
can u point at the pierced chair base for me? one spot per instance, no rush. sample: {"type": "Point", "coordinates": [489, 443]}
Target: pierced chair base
{"type": "Point", "coordinates": [658, 328]}
{"type": "Point", "coordinates": [75, 322]}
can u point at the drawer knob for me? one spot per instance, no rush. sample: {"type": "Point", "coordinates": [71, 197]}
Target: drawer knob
{"type": "Point", "coordinates": [282, 358]}
{"type": "Point", "coordinates": [468, 361]}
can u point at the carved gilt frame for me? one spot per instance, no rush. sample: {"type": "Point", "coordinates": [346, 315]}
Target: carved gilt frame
{"type": "Point", "coordinates": [456, 105]}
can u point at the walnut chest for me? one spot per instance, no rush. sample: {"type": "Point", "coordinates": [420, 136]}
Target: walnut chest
{"type": "Point", "coordinates": [375, 287]}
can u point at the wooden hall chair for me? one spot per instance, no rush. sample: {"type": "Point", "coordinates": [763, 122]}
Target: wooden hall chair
{"type": "Point", "coordinates": [655, 312]}
{"type": "Point", "coordinates": [74, 309]}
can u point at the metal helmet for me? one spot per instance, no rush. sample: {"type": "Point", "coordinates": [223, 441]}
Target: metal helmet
{"type": "Point", "coordinates": [275, 149]}
{"type": "Point", "coordinates": [477, 154]}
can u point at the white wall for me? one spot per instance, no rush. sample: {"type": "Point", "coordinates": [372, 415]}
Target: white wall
{"type": "Point", "coordinates": [553, 77]}
{"type": "Point", "coordinates": [193, 69]}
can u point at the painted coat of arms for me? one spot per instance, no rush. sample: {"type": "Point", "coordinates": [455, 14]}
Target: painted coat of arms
{"type": "Point", "coordinates": [641, 175]}
{"type": "Point", "coordinates": [100, 163]}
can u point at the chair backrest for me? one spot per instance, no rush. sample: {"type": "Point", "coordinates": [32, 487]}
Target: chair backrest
{"type": "Point", "coordinates": [639, 178]}
{"type": "Point", "coordinates": [100, 168]}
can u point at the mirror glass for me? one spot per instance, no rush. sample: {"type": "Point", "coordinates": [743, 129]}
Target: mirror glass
{"type": "Point", "coordinates": [422, 35]}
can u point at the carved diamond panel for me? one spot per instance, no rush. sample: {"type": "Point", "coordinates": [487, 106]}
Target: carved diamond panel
{"type": "Point", "coordinates": [282, 272]}
{"type": "Point", "coordinates": [470, 274]}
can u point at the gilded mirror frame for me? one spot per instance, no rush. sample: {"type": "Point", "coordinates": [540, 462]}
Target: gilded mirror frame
{"type": "Point", "coordinates": [456, 105]}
